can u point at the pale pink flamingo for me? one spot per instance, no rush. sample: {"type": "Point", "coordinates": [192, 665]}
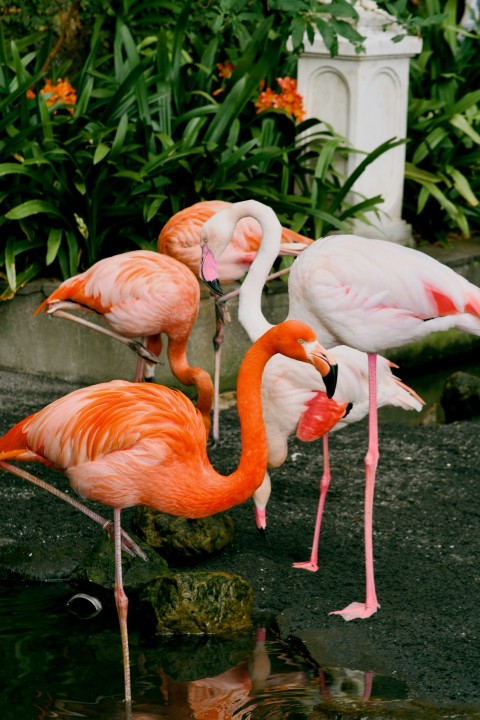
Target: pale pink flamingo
{"type": "Point", "coordinates": [294, 399]}
{"type": "Point", "coordinates": [141, 294]}
{"type": "Point", "coordinates": [370, 295]}
{"type": "Point", "coordinates": [180, 238]}
{"type": "Point", "coordinates": [126, 444]}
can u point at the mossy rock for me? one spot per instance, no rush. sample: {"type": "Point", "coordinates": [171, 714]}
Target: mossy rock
{"type": "Point", "coordinates": [201, 603]}
{"type": "Point", "coordinates": [460, 398]}
{"type": "Point", "coordinates": [180, 540]}
{"type": "Point", "coordinates": [98, 568]}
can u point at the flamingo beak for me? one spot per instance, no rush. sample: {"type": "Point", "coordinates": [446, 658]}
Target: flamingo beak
{"type": "Point", "coordinates": [208, 270]}
{"type": "Point", "coordinates": [327, 368]}
{"type": "Point", "coordinates": [330, 380]}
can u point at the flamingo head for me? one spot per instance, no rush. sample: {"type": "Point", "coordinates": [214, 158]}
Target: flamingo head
{"type": "Point", "coordinates": [297, 340]}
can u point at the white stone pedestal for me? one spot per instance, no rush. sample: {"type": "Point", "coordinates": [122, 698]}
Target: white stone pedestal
{"type": "Point", "coordinates": [364, 97]}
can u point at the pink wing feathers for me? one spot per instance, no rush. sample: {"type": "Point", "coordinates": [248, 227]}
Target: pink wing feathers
{"type": "Point", "coordinates": [320, 416]}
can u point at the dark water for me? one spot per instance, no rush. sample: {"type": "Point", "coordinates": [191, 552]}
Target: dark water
{"type": "Point", "coordinates": [428, 383]}
{"type": "Point", "coordinates": [54, 665]}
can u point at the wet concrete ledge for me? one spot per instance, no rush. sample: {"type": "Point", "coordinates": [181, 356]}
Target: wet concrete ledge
{"type": "Point", "coordinates": [47, 346]}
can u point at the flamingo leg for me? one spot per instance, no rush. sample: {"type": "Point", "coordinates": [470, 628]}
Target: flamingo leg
{"type": "Point", "coordinates": [134, 345]}
{"type": "Point", "coordinates": [121, 601]}
{"type": "Point", "coordinates": [127, 543]}
{"type": "Point", "coordinates": [367, 691]}
{"type": "Point", "coordinates": [216, 398]}
{"type": "Point", "coordinates": [370, 606]}
{"type": "Point", "coordinates": [312, 564]}
{"type": "Point", "coordinates": [221, 316]}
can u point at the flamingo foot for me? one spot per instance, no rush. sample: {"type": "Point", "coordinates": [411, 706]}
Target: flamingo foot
{"type": "Point", "coordinates": [128, 545]}
{"type": "Point", "coordinates": [308, 565]}
{"type": "Point", "coordinates": [143, 352]}
{"type": "Point", "coordinates": [357, 611]}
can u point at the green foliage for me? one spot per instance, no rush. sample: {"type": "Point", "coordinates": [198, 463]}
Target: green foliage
{"type": "Point", "coordinates": [442, 174]}
{"type": "Point", "coordinates": [155, 129]}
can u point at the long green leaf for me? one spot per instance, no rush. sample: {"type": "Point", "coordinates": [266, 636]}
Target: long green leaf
{"type": "Point", "coordinates": [119, 138]}
{"type": "Point", "coordinates": [14, 169]}
{"type": "Point", "coordinates": [370, 158]}
{"type": "Point", "coordinates": [462, 124]}
{"type": "Point", "coordinates": [33, 207]}
{"type": "Point", "coordinates": [53, 243]}
{"type": "Point", "coordinates": [10, 263]}
{"type": "Point", "coordinates": [462, 186]}
{"type": "Point", "coordinates": [239, 95]}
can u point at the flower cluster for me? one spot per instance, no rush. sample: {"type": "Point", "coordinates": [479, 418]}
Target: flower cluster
{"type": "Point", "coordinates": [289, 99]}
{"type": "Point", "coordinates": [59, 92]}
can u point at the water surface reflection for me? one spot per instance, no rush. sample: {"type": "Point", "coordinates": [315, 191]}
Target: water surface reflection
{"type": "Point", "coordinates": [56, 666]}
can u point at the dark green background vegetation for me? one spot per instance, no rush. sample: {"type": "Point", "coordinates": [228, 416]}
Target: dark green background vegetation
{"type": "Point", "coordinates": [151, 134]}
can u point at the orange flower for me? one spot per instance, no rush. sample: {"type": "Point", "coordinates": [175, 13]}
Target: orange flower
{"type": "Point", "coordinates": [225, 70]}
{"type": "Point", "coordinates": [289, 99]}
{"type": "Point", "coordinates": [61, 92]}
{"type": "Point", "coordinates": [266, 100]}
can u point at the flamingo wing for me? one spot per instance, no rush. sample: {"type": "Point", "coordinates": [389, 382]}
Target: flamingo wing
{"type": "Point", "coordinates": [119, 443]}
{"type": "Point", "coordinates": [338, 286]}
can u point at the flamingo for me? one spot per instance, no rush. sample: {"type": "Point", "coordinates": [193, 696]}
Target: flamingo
{"type": "Point", "coordinates": [294, 399]}
{"type": "Point", "coordinates": [141, 294]}
{"type": "Point", "coordinates": [370, 295]}
{"type": "Point", "coordinates": [180, 238]}
{"type": "Point", "coordinates": [125, 444]}
{"type": "Point", "coordinates": [295, 404]}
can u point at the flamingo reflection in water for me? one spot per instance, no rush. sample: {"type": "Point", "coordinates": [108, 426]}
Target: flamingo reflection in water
{"type": "Point", "coordinates": [267, 681]}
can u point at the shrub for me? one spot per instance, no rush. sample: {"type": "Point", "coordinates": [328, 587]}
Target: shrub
{"type": "Point", "coordinates": [442, 173]}
{"type": "Point", "coordinates": [155, 127]}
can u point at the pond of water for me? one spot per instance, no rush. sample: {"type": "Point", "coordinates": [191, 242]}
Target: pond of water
{"type": "Point", "coordinates": [54, 665]}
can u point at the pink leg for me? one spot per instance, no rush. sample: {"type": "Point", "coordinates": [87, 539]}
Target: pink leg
{"type": "Point", "coordinates": [312, 564]}
{"type": "Point", "coordinates": [121, 602]}
{"type": "Point", "coordinates": [221, 316]}
{"type": "Point", "coordinates": [128, 544]}
{"type": "Point", "coordinates": [57, 311]}
{"type": "Point", "coordinates": [139, 370]}
{"type": "Point", "coordinates": [370, 606]}
{"type": "Point", "coordinates": [367, 691]}
{"type": "Point", "coordinates": [216, 397]}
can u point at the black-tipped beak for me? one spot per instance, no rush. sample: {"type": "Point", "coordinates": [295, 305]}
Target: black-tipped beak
{"type": "Point", "coordinates": [330, 380]}
{"type": "Point", "coordinates": [208, 270]}
{"type": "Point", "coordinates": [214, 286]}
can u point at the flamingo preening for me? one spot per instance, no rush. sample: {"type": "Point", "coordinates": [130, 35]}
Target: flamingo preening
{"type": "Point", "coordinates": [180, 238]}
{"type": "Point", "coordinates": [370, 295]}
{"type": "Point", "coordinates": [141, 294]}
{"type": "Point", "coordinates": [125, 444]}
{"type": "Point", "coordinates": [294, 399]}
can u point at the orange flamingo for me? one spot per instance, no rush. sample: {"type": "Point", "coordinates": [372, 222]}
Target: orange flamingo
{"type": "Point", "coordinates": [141, 294]}
{"type": "Point", "coordinates": [180, 238]}
{"type": "Point", "coordinates": [126, 444]}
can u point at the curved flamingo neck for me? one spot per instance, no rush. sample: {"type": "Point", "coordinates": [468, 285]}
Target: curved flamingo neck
{"type": "Point", "coordinates": [240, 485]}
{"type": "Point", "coordinates": [189, 375]}
{"type": "Point", "coordinates": [250, 312]}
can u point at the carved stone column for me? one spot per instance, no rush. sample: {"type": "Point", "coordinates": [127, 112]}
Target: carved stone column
{"type": "Point", "coordinates": [364, 97]}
